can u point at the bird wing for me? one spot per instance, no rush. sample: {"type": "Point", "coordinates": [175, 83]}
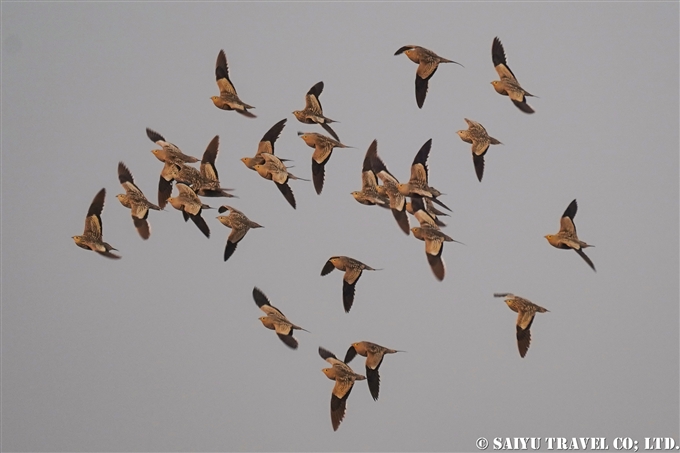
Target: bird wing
{"type": "Point", "coordinates": [266, 145]}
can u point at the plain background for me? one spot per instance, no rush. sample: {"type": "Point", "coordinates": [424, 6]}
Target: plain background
{"type": "Point", "coordinates": [162, 350]}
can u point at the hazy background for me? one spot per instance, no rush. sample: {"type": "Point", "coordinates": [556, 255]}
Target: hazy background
{"type": "Point", "coordinates": [163, 351]}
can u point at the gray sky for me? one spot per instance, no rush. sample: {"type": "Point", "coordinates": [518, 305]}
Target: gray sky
{"type": "Point", "coordinates": [163, 351]}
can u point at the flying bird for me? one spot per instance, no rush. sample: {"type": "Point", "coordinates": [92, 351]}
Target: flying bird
{"type": "Point", "coordinates": [526, 311]}
{"type": "Point", "coordinates": [274, 170]}
{"type": "Point", "coordinates": [266, 145]}
{"type": "Point", "coordinates": [566, 238]}
{"type": "Point", "coordinates": [239, 224]}
{"type": "Point", "coordinates": [418, 183]}
{"type": "Point", "coordinates": [205, 182]}
{"type": "Point", "coordinates": [480, 139]}
{"type": "Point", "coordinates": [369, 193]}
{"type": "Point", "coordinates": [134, 199]}
{"type": "Point", "coordinates": [91, 238]}
{"type": "Point", "coordinates": [168, 150]}
{"type": "Point", "coordinates": [434, 239]}
{"type": "Point", "coordinates": [275, 320]}
{"type": "Point", "coordinates": [391, 189]}
{"type": "Point", "coordinates": [508, 84]}
{"type": "Point", "coordinates": [313, 113]}
{"type": "Point", "coordinates": [374, 354]}
{"type": "Point", "coordinates": [429, 209]}
{"type": "Point", "coordinates": [353, 269]}
{"type": "Point", "coordinates": [344, 378]}
{"type": "Point", "coordinates": [323, 147]}
{"type": "Point", "coordinates": [427, 62]}
{"type": "Point", "coordinates": [191, 206]}
{"type": "Point", "coordinates": [228, 99]}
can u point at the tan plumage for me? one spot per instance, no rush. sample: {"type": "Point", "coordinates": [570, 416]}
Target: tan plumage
{"type": "Point", "coordinates": [369, 193]}
{"type": "Point", "coordinates": [168, 150]}
{"type": "Point", "coordinates": [418, 184]}
{"type": "Point", "coordinates": [228, 99]}
{"type": "Point", "coordinates": [191, 206]}
{"type": "Point", "coordinates": [274, 170]}
{"type": "Point", "coordinates": [344, 378]}
{"type": "Point", "coordinates": [391, 189]}
{"type": "Point", "coordinates": [323, 147]}
{"type": "Point", "coordinates": [92, 237]}
{"type": "Point", "coordinates": [434, 239]}
{"type": "Point", "coordinates": [239, 224]}
{"type": "Point", "coordinates": [566, 238]}
{"type": "Point", "coordinates": [427, 62]}
{"type": "Point", "coordinates": [429, 209]}
{"type": "Point", "coordinates": [135, 200]}
{"type": "Point", "coordinates": [508, 84]}
{"type": "Point", "coordinates": [266, 145]}
{"type": "Point", "coordinates": [275, 320]}
{"type": "Point", "coordinates": [374, 354]}
{"type": "Point", "coordinates": [205, 182]}
{"type": "Point", "coordinates": [526, 311]}
{"type": "Point", "coordinates": [480, 139]}
{"type": "Point", "coordinates": [313, 113]}
{"type": "Point", "coordinates": [353, 269]}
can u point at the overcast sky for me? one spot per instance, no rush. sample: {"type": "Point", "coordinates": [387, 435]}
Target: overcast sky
{"type": "Point", "coordinates": [162, 350]}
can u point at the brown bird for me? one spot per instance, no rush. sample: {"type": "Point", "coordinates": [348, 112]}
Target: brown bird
{"type": "Point", "coordinates": [191, 206]}
{"type": "Point", "coordinates": [374, 354]}
{"type": "Point", "coordinates": [427, 62]}
{"type": "Point", "coordinates": [91, 238]}
{"type": "Point", "coordinates": [205, 182]}
{"type": "Point", "coordinates": [239, 224]}
{"type": "Point", "coordinates": [266, 145]}
{"type": "Point", "coordinates": [566, 238]}
{"type": "Point", "coordinates": [369, 194]}
{"type": "Point", "coordinates": [313, 113]}
{"type": "Point", "coordinates": [274, 170]}
{"type": "Point", "coordinates": [429, 209]}
{"type": "Point", "coordinates": [228, 99]}
{"type": "Point", "coordinates": [526, 311]}
{"type": "Point", "coordinates": [433, 237]}
{"type": "Point", "coordinates": [353, 269]}
{"type": "Point", "coordinates": [477, 135]}
{"type": "Point", "coordinates": [344, 378]}
{"type": "Point", "coordinates": [323, 147]}
{"type": "Point", "coordinates": [391, 188]}
{"type": "Point", "coordinates": [275, 320]}
{"type": "Point", "coordinates": [418, 184]}
{"type": "Point", "coordinates": [508, 84]}
{"type": "Point", "coordinates": [168, 150]}
{"type": "Point", "coordinates": [135, 200]}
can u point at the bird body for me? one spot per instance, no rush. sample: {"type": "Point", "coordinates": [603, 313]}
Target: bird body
{"type": "Point", "coordinates": [374, 354]}
{"type": "Point", "coordinates": [239, 224]}
{"type": "Point", "coordinates": [191, 206]}
{"type": "Point", "coordinates": [92, 237]}
{"type": "Point", "coordinates": [274, 170]}
{"type": "Point", "coordinates": [323, 148]}
{"type": "Point", "coordinates": [313, 113]}
{"type": "Point", "coordinates": [480, 139]}
{"type": "Point", "coordinates": [352, 269]}
{"type": "Point", "coordinates": [369, 193]}
{"type": "Point", "coordinates": [228, 99]}
{"type": "Point", "coordinates": [418, 183]}
{"type": "Point", "coordinates": [566, 238]}
{"type": "Point", "coordinates": [275, 320]}
{"type": "Point", "coordinates": [168, 150]}
{"type": "Point", "coordinates": [344, 378]}
{"type": "Point", "coordinates": [526, 310]}
{"type": "Point", "coordinates": [265, 146]}
{"type": "Point", "coordinates": [134, 199]}
{"type": "Point", "coordinates": [427, 62]}
{"type": "Point", "coordinates": [508, 84]}
{"type": "Point", "coordinates": [390, 188]}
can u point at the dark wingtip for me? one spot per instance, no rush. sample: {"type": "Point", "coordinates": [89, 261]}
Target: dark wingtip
{"type": "Point", "coordinates": [402, 50]}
